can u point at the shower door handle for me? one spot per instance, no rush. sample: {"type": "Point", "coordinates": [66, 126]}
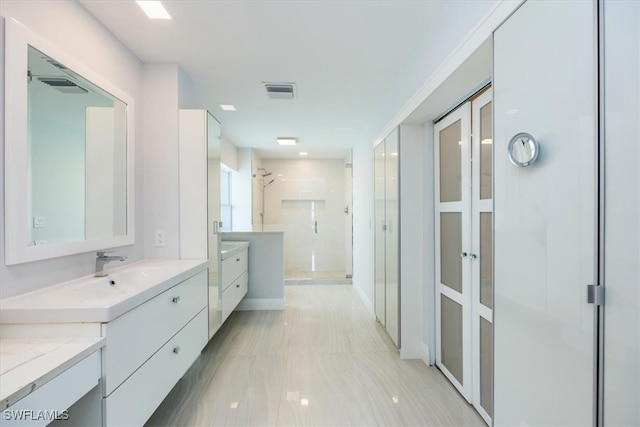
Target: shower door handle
{"type": "Point", "coordinates": [316, 227]}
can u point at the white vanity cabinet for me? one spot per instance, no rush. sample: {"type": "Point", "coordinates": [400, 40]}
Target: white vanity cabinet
{"type": "Point", "coordinates": [149, 348]}
{"type": "Point", "coordinates": [234, 275]}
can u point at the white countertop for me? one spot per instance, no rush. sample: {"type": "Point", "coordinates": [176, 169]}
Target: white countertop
{"type": "Point", "coordinates": [99, 299]}
{"type": "Point", "coordinates": [28, 363]}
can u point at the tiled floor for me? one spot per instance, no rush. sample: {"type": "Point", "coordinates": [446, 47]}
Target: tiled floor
{"type": "Point", "coordinates": [323, 362]}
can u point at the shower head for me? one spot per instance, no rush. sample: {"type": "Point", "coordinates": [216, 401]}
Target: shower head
{"type": "Point", "coordinates": [264, 172]}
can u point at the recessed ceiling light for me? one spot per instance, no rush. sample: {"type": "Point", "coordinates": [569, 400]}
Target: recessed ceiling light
{"type": "Point", "coordinates": [154, 9]}
{"type": "Point", "coordinates": [303, 153]}
{"type": "Point", "coordinates": [287, 141]}
{"type": "Point", "coordinates": [228, 107]}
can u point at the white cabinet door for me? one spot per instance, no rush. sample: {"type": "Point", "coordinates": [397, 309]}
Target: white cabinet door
{"type": "Point", "coordinates": [545, 215]}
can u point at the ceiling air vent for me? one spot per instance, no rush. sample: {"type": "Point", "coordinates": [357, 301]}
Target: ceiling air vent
{"type": "Point", "coordinates": [62, 84]}
{"type": "Point", "coordinates": [280, 90]}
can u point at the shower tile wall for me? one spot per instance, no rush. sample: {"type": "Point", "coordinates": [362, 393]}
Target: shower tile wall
{"type": "Point", "coordinates": [306, 202]}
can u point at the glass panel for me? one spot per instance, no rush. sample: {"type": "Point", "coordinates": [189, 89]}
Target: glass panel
{"type": "Point", "coordinates": [486, 145]}
{"type": "Point", "coordinates": [486, 260]}
{"type": "Point", "coordinates": [450, 163]}
{"type": "Point", "coordinates": [450, 248]}
{"type": "Point", "coordinates": [486, 366]}
{"type": "Point", "coordinates": [451, 336]}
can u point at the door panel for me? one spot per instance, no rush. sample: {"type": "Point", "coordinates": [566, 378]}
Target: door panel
{"type": "Point", "coordinates": [392, 289]}
{"type": "Point", "coordinates": [622, 213]}
{"type": "Point", "coordinates": [379, 232]}
{"type": "Point", "coordinates": [453, 244]}
{"type": "Point", "coordinates": [545, 217]}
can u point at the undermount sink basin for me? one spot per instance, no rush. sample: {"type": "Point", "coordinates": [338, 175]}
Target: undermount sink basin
{"type": "Point", "coordinates": [98, 299]}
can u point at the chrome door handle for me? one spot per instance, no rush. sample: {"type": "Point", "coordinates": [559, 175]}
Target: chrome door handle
{"type": "Point", "coordinates": [463, 254]}
{"type": "Point", "coordinates": [316, 227]}
{"type": "Point", "coordinates": [473, 256]}
{"type": "Point", "coordinates": [176, 349]}
{"type": "Point", "coordinates": [175, 300]}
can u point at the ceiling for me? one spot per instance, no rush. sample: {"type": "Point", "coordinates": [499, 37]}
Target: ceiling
{"type": "Point", "coordinates": [346, 57]}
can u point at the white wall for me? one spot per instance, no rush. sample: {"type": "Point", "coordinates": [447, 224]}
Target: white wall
{"type": "Point", "coordinates": [228, 154]}
{"type": "Point", "coordinates": [61, 22]}
{"type": "Point", "coordinates": [363, 243]}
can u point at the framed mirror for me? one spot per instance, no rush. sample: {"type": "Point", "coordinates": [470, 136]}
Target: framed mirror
{"type": "Point", "coordinates": [68, 154]}
{"type": "Point", "coordinates": [523, 150]}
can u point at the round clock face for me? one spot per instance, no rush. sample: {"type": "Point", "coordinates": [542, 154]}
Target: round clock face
{"type": "Point", "coordinates": [523, 149]}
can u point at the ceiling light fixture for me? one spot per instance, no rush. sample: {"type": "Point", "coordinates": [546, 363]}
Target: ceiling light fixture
{"type": "Point", "coordinates": [153, 9]}
{"type": "Point", "coordinates": [287, 141]}
{"type": "Point", "coordinates": [228, 107]}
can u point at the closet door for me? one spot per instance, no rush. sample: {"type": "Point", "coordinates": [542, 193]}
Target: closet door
{"type": "Point", "coordinates": [544, 83]}
{"type": "Point", "coordinates": [482, 253]}
{"type": "Point", "coordinates": [379, 233]}
{"type": "Point", "coordinates": [453, 243]}
{"type": "Point", "coordinates": [392, 282]}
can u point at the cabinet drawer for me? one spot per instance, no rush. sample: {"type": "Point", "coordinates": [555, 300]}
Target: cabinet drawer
{"type": "Point", "coordinates": [133, 337]}
{"type": "Point", "coordinates": [58, 394]}
{"type": "Point", "coordinates": [234, 293]}
{"type": "Point", "coordinates": [136, 399]}
{"type": "Point", "coordinates": [233, 267]}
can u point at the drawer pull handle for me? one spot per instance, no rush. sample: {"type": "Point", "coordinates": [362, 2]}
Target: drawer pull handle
{"type": "Point", "coordinates": [175, 300]}
{"type": "Point", "coordinates": [237, 259]}
{"type": "Point", "coordinates": [176, 350]}
{"type": "Point", "coordinates": [238, 285]}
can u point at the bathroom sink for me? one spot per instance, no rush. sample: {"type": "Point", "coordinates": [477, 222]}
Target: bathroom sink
{"type": "Point", "coordinates": [98, 299]}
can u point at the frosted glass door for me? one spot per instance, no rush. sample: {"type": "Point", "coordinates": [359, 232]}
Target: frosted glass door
{"type": "Point", "coordinates": [453, 246]}
{"type": "Point", "coordinates": [622, 213]}
{"type": "Point", "coordinates": [545, 215]}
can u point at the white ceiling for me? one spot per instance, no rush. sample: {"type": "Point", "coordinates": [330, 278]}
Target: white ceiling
{"type": "Point", "coordinates": [346, 57]}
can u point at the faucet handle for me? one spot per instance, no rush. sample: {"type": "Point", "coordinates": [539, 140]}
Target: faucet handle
{"type": "Point", "coordinates": [102, 254]}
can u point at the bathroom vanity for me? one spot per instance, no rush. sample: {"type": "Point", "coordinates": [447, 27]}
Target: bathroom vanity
{"type": "Point", "coordinates": [137, 330]}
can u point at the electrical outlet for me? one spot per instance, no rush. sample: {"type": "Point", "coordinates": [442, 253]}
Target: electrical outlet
{"type": "Point", "coordinates": [160, 238]}
{"type": "Point", "coordinates": [39, 222]}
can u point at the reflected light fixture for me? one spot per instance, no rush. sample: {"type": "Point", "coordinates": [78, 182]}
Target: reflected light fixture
{"type": "Point", "coordinates": [228, 107]}
{"type": "Point", "coordinates": [153, 9]}
{"type": "Point", "coordinates": [304, 153]}
{"type": "Point", "coordinates": [287, 141]}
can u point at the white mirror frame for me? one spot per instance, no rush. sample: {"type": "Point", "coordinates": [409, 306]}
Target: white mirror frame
{"type": "Point", "coordinates": [17, 251]}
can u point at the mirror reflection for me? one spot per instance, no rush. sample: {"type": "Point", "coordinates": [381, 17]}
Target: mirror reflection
{"type": "Point", "coordinates": [77, 157]}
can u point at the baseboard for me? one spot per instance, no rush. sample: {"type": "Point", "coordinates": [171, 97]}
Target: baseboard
{"type": "Point", "coordinates": [426, 355]}
{"type": "Point", "coordinates": [256, 304]}
{"type": "Point", "coordinates": [365, 300]}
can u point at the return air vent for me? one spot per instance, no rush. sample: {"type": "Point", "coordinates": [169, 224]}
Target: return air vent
{"type": "Point", "coordinates": [62, 84]}
{"type": "Point", "coordinates": [280, 90]}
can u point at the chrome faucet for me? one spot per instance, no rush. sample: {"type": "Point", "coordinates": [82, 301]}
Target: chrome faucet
{"type": "Point", "coordinates": [101, 261]}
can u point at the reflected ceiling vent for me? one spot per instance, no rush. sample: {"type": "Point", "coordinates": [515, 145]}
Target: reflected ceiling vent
{"type": "Point", "coordinates": [280, 90]}
{"type": "Point", "coordinates": [62, 84]}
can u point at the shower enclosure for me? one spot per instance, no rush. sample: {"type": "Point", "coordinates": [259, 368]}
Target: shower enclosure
{"type": "Point", "coordinates": [309, 200]}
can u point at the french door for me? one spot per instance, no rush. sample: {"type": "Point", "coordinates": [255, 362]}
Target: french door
{"type": "Point", "coordinates": [464, 251]}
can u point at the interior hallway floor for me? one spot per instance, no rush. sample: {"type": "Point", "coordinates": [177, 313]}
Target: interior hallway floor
{"type": "Point", "coordinates": [324, 361]}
